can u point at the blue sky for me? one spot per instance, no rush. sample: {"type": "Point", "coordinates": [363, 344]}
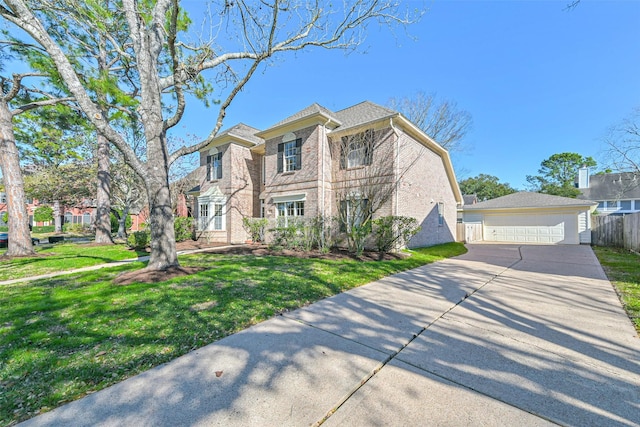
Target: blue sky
{"type": "Point", "coordinates": [536, 78]}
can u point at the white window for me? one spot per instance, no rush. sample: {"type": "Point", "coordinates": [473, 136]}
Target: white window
{"type": "Point", "coordinates": [218, 217]}
{"type": "Point", "coordinates": [264, 170]}
{"type": "Point", "coordinates": [203, 217]}
{"type": "Point", "coordinates": [261, 208]}
{"type": "Point", "coordinates": [3, 198]}
{"type": "Point", "coordinates": [286, 210]}
{"type": "Point", "coordinates": [440, 213]}
{"type": "Point", "coordinates": [214, 167]}
{"type": "Point", "coordinates": [356, 150]}
{"type": "Point", "coordinates": [290, 155]}
{"type": "Point", "coordinates": [86, 218]}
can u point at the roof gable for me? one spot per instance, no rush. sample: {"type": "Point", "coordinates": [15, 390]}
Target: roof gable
{"type": "Point", "coordinates": [362, 113]}
{"type": "Point", "coordinates": [241, 133]}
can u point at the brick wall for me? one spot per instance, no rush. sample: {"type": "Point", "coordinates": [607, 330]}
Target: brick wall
{"type": "Point", "coordinates": [424, 184]}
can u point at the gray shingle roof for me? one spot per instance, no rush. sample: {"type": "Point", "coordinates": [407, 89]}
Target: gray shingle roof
{"type": "Point", "coordinates": [312, 109]}
{"type": "Point", "coordinates": [362, 113]}
{"type": "Point", "coordinates": [242, 131]}
{"type": "Point", "coordinates": [612, 186]}
{"type": "Point", "coordinates": [469, 199]}
{"type": "Point", "coordinates": [526, 199]}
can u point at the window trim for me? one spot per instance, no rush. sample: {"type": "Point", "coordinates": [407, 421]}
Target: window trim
{"type": "Point", "coordinates": [440, 214]}
{"type": "Point", "coordinates": [296, 155]}
{"type": "Point", "coordinates": [289, 209]}
{"type": "Point", "coordinates": [214, 160]}
{"type": "Point", "coordinates": [362, 141]}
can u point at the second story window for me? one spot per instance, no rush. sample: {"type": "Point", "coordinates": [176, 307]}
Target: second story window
{"type": "Point", "coordinates": [214, 167]}
{"type": "Point", "coordinates": [290, 155]}
{"type": "Point", "coordinates": [356, 150]}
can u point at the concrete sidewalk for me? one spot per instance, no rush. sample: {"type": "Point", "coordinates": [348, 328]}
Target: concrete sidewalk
{"type": "Point", "coordinates": [504, 335]}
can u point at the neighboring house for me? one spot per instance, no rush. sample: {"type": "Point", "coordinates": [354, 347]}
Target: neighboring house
{"type": "Point", "coordinates": [616, 193]}
{"type": "Point", "coordinates": [531, 218]}
{"type": "Point", "coordinates": [83, 213]}
{"type": "Point", "coordinates": [321, 163]}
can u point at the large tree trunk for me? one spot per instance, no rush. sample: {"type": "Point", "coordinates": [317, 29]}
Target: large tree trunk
{"type": "Point", "coordinates": [122, 223]}
{"type": "Point", "coordinates": [57, 221]}
{"type": "Point", "coordinates": [163, 241]}
{"type": "Point", "coordinates": [18, 217]}
{"type": "Point", "coordinates": [103, 196]}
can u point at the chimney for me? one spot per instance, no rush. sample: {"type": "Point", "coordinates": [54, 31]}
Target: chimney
{"type": "Point", "coordinates": [583, 177]}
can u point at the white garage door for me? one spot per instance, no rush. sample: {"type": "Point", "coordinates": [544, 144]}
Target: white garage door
{"type": "Point", "coordinates": [547, 228]}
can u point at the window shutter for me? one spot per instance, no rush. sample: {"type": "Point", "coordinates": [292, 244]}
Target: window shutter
{"type": "Point", "coordinates": [343, 152]}
{"type": "Point", "coordinates": [298, 154]}
{"type": "Point", "coordinates": [280, 156]}
{"type": "Point", "coordinates": [219, 169]}
{"type": "Point", "coordinates": [209, 160]}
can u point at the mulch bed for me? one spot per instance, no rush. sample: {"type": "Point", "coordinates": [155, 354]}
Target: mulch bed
{"type": "Point", "coordinates": [151, 276]}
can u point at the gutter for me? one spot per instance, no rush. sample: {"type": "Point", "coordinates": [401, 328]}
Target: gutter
{"type": "Point", "coordinates": [397, 172]}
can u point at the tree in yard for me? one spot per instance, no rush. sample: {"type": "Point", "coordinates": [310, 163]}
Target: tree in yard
{"type": "Point", "coordinates": [485, 187]}
{"type": "Point", "coordinates": [442, 120]}
{"type": "Point", "coordinates": [48, 139]}
{"type": "Point", "coordinates": [558, 174]}
{"type": "Point", "coordinates": [17, 98]}
{"type": "Point", "coordinates": [67, 184]}
{"type": "Point", "coordinates": [622, 144]}
{"type": "Point", "coordinates": [163, 67]}
{"type": "Point", "coordinates": [43, 213]}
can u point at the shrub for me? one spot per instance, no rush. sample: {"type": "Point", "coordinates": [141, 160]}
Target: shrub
{"type": "Point", "coordinates": [394, 231]}
{"type": "Point", "coordinates": [71, 228]}
{"type": "Point", "coordinates": [255, 227]}
{"type": "Point", "coordinates": [43, 229]}
{"type": "Point", "coordinates": [286, 233]}
{"type": "Point", "coordinates": [183, 228]}
{"type": "Point", "coordinates": [139, 239]}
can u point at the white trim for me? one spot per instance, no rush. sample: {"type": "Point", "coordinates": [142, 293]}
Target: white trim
{"type": "Point", "coordinates": [291, 198]}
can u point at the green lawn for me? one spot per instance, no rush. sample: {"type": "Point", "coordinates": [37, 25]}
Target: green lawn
{"type": "Point", "coordinates": [623, 270]}
{"type": "Point", "coordinates": [65, 337]}
{"type": "Point", "coordinates": [61, 257]}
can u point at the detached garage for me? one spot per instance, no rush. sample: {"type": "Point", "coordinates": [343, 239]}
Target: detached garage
{"type": "Point", "coordinates": [530, 218]}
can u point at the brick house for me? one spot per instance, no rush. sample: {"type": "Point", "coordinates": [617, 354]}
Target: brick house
{"type": "Point", "coordinates": [320, 162]}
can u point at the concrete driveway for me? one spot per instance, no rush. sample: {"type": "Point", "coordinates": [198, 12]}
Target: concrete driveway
{"type": "Point", "coordinates": [504, 335]}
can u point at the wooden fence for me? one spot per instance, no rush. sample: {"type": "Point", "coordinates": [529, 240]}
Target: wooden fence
{"type": "Point", "coordinates": [468, 232]}
{"type": "Point", "coordinates": [621, 231]}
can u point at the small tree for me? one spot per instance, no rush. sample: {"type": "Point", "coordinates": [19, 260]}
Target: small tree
{"type": "Point", "coordinates": [256, 228]}
{"type": "Point", "coordinates": [442, 120]}
{"type": "Point", "coordinates": [622, 144]}
{"type": "Point", "coordinates": [43, 213]}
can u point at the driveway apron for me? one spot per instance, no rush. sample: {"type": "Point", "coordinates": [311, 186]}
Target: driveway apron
{"type": "Point", "coordinates": [503, 335]}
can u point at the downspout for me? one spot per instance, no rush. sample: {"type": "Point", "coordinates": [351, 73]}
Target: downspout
{"type": "Point", "coordinates": [397, 173]}
{"type": "Point", "coordinates": [324, 142]}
